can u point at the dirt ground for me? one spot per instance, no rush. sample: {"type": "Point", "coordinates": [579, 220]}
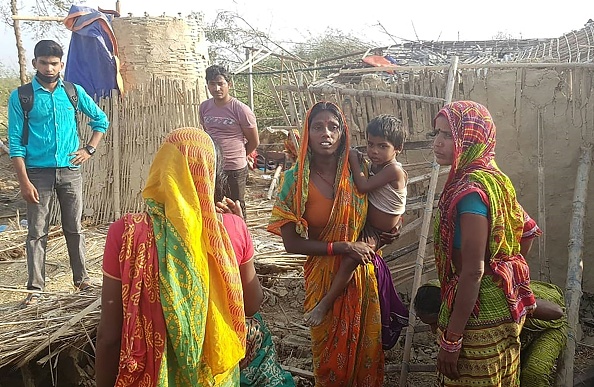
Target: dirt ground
{"type": "Point", "coordinates": [280, 274]}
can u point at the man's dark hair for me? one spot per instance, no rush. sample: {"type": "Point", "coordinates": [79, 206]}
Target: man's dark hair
{"type": "Point", "coordinates": [388, 127]}
{"type": "Point", "coordinates": [428, 300]}
{"type": "Point", "coordinates": [214, 70]}
{"type": "Point", "coordinates": [220, 176]}
{"type": "Point", "coordinates": [48, 48]}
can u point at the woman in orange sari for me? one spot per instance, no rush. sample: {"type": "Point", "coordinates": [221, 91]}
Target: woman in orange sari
{"type": "Point", "coordinates": [172, 310]}
{"type": "Point", "coordinates": [320, 214]}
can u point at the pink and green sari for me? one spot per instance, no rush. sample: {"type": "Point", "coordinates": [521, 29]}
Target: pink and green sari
{"type": "Point", "coordinates": [490, 354]}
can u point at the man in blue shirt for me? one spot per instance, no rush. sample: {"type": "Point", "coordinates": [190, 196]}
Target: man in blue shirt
{"type": "Point", "coordinates": [49, 161]}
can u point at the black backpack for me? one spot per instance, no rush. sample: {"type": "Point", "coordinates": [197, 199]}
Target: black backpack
{"type": "Point", "coordinates": [26, 98]}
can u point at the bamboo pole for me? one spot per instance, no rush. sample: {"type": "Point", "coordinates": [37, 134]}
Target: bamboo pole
{"type": "Point", "coordinates": [508, 65]}
{"type": "Point", "coordinates": [544, 270]}
{"type": "Point", "coordinates": [277, 173]}
{"type": "Point", "coordinates": [427, 216]}
{"type": "Point", "coordinates": [279, 101]}
{"type": "Point", "coordinates": [362, 93]}
{"type": "Point", "coordinates": [293, 109]}
{"type": "Point", "coordinates": [38, 18]}
{"type": "Point", "coordinates": [115, 138]}
{"type": "Point", "coordinates": [249, 59]}
{"type": "Point", "coordinates": [575, 264]}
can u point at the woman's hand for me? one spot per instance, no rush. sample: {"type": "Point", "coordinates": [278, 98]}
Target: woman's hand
{"type": "Point", "coordinates": [447, 363]}
{"type": "Point", "coordinates": [360, 252]}
{"type": "Point", "coordinates": [228, 206]}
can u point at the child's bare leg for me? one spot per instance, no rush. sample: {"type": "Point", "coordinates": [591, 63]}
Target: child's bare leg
{"type": "Point", "coordinates": [339, 283]}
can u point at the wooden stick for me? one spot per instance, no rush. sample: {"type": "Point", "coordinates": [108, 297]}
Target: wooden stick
{"type": "Point", "coordinates": [115, 151]}
{"type": "Point", "coordinates": [279, 102]}
{"type": "Point", "coordinates": [544, 270]}
{"type": "Point", "coordinates": [427, 217]}
{"type": "Point", "coordinates": [362, 93]}
{"type": "Point", "coordinates": [467, 66]}
{"type": "Point", "coordinates": [277, 173]}
{"type": "Point", "coordinates": [573, 287]}
{"type": "Point", "coordinates": [38, 18]}
{"type": "Point", "coordinates": [298, 371]}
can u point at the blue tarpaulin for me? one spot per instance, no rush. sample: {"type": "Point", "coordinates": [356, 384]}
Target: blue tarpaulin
{"type": "Point", "coordinates": [92, 55]}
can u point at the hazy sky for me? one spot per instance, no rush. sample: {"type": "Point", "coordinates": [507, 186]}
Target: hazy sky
{"type": "Point", "coordinates": [425, 20]}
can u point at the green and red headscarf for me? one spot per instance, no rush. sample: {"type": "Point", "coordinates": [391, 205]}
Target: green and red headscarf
{"type": "Point", "coordinates": [474, 170]}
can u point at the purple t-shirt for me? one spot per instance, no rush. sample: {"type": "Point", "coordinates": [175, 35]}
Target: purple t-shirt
{"type": "Point", "coordinates": [225, 125]}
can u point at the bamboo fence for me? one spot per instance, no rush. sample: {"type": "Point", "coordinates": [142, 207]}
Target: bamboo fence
{"type": "Point", "coordinates": [530, 102]}
{"type": "Point", "coordinates": [114, 177]}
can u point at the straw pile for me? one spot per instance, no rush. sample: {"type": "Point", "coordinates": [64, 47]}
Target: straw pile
{"type": "Point", "coordinates": [58, 322]}
{"type": "Point", "coordinates": [63, 318]}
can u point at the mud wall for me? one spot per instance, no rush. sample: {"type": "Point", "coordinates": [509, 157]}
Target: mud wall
{"type": "Point", "coordinates": [550, 106]}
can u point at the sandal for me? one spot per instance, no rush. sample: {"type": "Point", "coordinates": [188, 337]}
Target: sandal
{"type": "Point", "coordinates": [32, 299]}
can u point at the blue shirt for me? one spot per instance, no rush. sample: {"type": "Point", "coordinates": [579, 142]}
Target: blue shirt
{"type": "Point", "coordinates": [469, 204]}
{"type": "Point", "coordinates": [53, 134]}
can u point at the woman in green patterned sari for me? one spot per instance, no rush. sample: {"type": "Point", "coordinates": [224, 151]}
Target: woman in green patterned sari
{"type": "Point", "coordinates": [485, 282]}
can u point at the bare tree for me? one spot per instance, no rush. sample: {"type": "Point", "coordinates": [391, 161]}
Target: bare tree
{"type": "Point", "coordinates": [19, 44]}
{"type": "Point", "coordinates": [39, 29]}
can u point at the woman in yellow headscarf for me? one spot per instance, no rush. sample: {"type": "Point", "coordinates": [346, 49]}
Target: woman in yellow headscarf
{"type": "Point", "coordinates": [172, 310]}
{"type": "Point", "coordinates": [319, 213]}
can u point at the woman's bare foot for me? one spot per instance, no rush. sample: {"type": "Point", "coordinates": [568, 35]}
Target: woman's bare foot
{"type": "Point", "coordinates": [317, 314]}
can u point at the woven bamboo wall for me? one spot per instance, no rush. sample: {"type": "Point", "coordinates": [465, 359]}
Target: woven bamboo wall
{"type": "Point", "coordinates": [139, 122]}
{"type": "Point", "coordinates": [161, 47]}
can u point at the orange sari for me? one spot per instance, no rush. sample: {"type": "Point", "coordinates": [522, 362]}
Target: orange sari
{"type": "Point", "coordinates": [346, 346]}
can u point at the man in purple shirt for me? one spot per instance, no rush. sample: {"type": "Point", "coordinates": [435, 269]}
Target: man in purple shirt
{"type": "Point", "coordinates": [232, 125]}
{"type": "Point", "coordinates": [47, 154]}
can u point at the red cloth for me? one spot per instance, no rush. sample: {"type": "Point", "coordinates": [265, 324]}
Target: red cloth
{"type": "Point", "coordinates": [131, 256]}
{"type": "Point", "coordinates": [240, 238]}
{"type": "Point", "coordinates": [378, 61]}
{"type": "Point", "coordinates": [531, 229]}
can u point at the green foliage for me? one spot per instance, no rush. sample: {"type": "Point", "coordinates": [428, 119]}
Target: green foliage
{"type": "Point", "coordinates": [265, 107]}
{"type": "Point", "coordinates": [331, 44]}
{"type": "Point", "coordinates": [229, 35]}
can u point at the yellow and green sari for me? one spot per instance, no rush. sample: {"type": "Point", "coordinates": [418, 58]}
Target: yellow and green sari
{"type": "Point", "coordinates": [199, 286]}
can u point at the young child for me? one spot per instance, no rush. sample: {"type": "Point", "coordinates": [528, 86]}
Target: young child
{"type": "Point", "coordinates": [386, 189]}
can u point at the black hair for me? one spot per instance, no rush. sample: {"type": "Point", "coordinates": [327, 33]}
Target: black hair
{"type": "Point", "coordinates": [214, 70]}
{"type": "Point", "coordinates": [48, 48]}
{"type": "Point", "coordinates": [389, 127]}
{"type": "Point", "coordinates": [427, 300]}
{"type": "Point", "coordinates": [220, 176]}
{"type": "Point", "coordinates": [332, 108]}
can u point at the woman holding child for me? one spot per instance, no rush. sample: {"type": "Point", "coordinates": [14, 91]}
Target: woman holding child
{"type": "Point", "coordinates": [320, 213]}
{"type": "Point", "coordinates": [485, 283]}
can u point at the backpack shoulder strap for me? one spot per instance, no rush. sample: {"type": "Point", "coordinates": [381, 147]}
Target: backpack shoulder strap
{"type": "Point", "coordinates": [72, 94]}
{"type": "Point", "coordinates": [25, 93]}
